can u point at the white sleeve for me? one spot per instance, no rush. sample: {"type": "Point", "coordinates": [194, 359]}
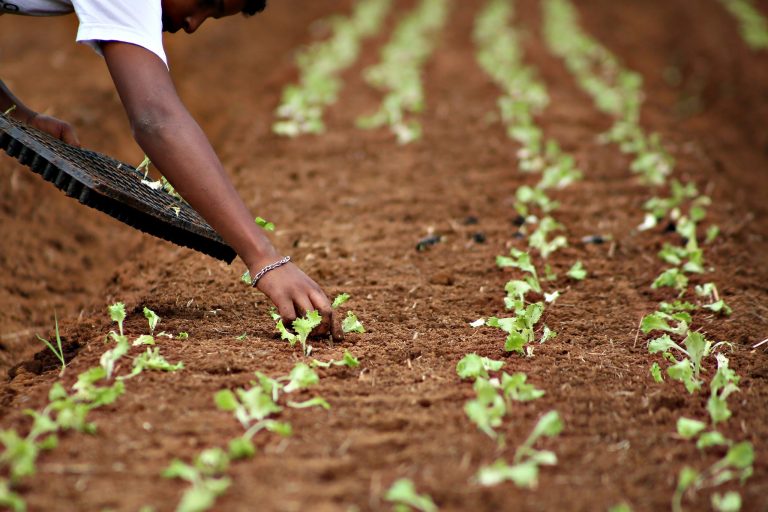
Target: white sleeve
{"type": "Point", "coordinates": [138, 22]}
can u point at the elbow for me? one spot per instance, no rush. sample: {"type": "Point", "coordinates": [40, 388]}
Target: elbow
{"type": "Point", "coordinates": [149, 122]}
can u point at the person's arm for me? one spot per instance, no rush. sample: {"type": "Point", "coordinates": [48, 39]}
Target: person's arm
{"type": "Point", "coordinates": [24, 114]}
{"type": "Point", "coordinates": [179, 149]}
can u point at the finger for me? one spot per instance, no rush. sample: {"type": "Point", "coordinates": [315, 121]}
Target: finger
{"type": "Point", "coordinates": [69, 136]}
{"type": "Point", "coordinates": [286, 311]}
{"type": "Point", "coordinates": [336, 331]}
{"type": "Point", "coordinates": [303, 305]}
{"type": "Point", "coordinates": [323, 306]}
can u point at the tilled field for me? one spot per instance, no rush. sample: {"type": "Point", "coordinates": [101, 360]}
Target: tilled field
{"type": "Point", "coordinates": [350, 206]}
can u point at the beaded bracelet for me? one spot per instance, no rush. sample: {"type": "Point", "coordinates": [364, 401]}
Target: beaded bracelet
{"type": "Point", "coordinates": [273, 266]}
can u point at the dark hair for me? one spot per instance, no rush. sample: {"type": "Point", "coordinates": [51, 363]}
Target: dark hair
{"type": "Point", "coordinates": [254, 6]}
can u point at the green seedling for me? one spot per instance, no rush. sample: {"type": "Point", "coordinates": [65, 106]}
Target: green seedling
{"type": "Point", "coordinates": [301, 377]}
{"type": "Point", "coordinates": [488, 408]}
{"type": "Point", "coordinates": [577, 271]}
{"type": "Point", "coordinates": [57, 349]}
{"type": "Point", "coordinates": [404, 496]}
{"type": "Point", "coordinates": [686, 370]}
{"type": "Point", "coordinates": [473, 366]}
{"type": "Point", "coordinates": [540, 238]}
{"type": "Point", "coordinates": [249, 406]}
{"type": "Point", "coordinates": [152, 319]}
{"type": "Point", "coordinates": [723, 384]}
{"type": "Point", "coordinates": [673, 278]}
{"type": "Point", "coordinates": [152, 360]}
{"type": "Point", "coordinates": [302, 326]}
{"type": "Point", "coordinates": [352, 324]}
{"type": "Point", "coordinates": [520, 328]}
{"type": "Point", "coordinates": [241, 448]}
{"type": "Point", "coordinates": [205, 477]}
{"type": "Point", "coordinates": [524, 472]}
{"type": "Point", "coordinates": [753, 25]}
{"type": "Point", "coordinates": [8, 498]}
{"type": "Point", "coordinates": [347, 360]}
{"type": "Point", "coordinates": [728, 502]}
{"type": "Point", "coordinates": [340, 299]}
{"type": "Point", "coordinates": [688, 428]}
{"type": "Point", "coordinates": [675, 323]}
{"type": "Point", "coordinates": [736, 464]}
{"type": "Point", "coordinates": [515, 387]}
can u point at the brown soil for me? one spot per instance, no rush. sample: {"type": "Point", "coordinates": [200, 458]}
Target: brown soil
{"type": "Point", "coordinates": [350, 207]}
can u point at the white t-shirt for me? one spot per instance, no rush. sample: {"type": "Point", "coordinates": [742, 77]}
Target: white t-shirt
{"type": "Point", "coordinates": [138, 22]}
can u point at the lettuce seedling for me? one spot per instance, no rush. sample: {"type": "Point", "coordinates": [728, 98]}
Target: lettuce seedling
{"type": "Point", "coordinates": [688, 428]}
{"type": "Point", "coordinates": [404, 496]}
{"type": "Point", "coordinates": [57, 350]}
{"type": "Point", "coordinates": [525, 470]}
{"type": "Point", "coordinates": [473, 366]}
{"type": "Point", "coordinates": [539, 239]}
{"type": "Point", "coordinates": [248, 405]}
{"type": "Point", "coordinates": [8, 498]}
{"type": "Point", "coordinates": [207, 485]}
{"type": "Point", "coordinates": [302, 326]}
{"type": "Point", "coordinates": [340, 299]}
{"type": "Point", "coordinates": [723, 384]}
{"type": "Point", "coordinates": [686, 370]}
{"type": "Point", "coordinates": [577, 271]}
{"type": "Point", "coordinates": [728, 502]}
{"type": "Point", "coordinates": [347, 360]}
{"type": "Point", "coordinates": [673, 278]}
{"type": "Point", "coordinates": [152, 360]}
{"type": "Point", "coordinates": [516, 388]}
{"type": "Point", "coordinates": [19, 454]}
{"type": "Point", "coordinates": [152, 319]}
{"type": "Point", "coordinates": [520, 328]}
{"type": "Point", "coordinates": [117, 314]}
{"type": "Point", "coordinates": [301, 377]}
{"type": "Point", "coordinates": [487, 409]}
{"type": "Point", "coordinates": [352, 324]}
{"type": "Point", "coordinates": [660, 321]}
{"type": "Point", "coordinates": [241, 448]}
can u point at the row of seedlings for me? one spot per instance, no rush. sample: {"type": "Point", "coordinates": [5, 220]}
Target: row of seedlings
{"type": "Point", "coordinates": [69, 411]}
{"type": "Point", "coordinates": [258, 409]}
{"type": "Point", "coordinates": [524, 96]}
{"type": "Point", "coordinates": [753, 26]}
{"type": "Point", "coordinates": [688, 352]}
{"type": "Point", "coordinates": [399, 72]}
{"type": "Point", "coordinates": [304, 103]}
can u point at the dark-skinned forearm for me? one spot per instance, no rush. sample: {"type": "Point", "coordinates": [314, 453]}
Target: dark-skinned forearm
{"type": "Point", "coordinates": [8, 101]}
{"type": "Point", "coordinates": [180, 150]}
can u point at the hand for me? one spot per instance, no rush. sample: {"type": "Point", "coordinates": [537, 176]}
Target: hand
{"type": "Point", "coordinates": [295, 294]}
{"type": "Point", "coordinates": [56, 127]}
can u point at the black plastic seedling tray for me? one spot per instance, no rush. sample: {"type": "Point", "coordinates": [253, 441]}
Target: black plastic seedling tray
{"type": "Point", "coordinates": [112, 187]}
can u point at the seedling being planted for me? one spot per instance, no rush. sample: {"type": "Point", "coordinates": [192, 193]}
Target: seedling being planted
{"type": "Point", "coordinates": [405, 498]}
{"type": "Point", "coordinates": [302, 326]}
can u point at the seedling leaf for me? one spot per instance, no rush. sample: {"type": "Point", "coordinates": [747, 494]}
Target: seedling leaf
{"type": "Point", "coordinates": [403, 492]}
{"type": "Point", "coordinates": [352, 324]}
